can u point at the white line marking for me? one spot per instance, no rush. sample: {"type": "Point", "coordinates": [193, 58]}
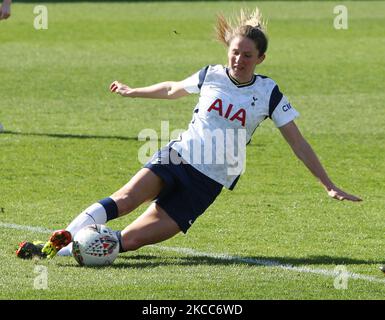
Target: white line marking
{"type": "Point", "coordinates": [25, 228]}
{"type": "Point", "coordinates": [191, 252]}
{"type": "Point", "coordinates": [269, 263]}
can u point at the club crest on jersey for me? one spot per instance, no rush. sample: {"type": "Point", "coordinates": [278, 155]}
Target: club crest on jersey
{"type": "Point", "coordinates": [239, 115]}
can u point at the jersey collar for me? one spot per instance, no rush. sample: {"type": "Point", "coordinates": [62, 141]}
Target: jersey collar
{"type": "Point", "coordinates": [239, 84]}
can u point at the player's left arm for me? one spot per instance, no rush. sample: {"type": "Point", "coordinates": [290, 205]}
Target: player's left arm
{"type": "Point", "coordinates": [305, 153]}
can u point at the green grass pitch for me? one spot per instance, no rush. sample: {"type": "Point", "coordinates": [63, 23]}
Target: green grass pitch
{"type": "Point", "coordinates": [68, 142]}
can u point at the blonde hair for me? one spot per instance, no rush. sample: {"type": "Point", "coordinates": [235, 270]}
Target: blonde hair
{"type": "Point", "coordinates": [247, 24]}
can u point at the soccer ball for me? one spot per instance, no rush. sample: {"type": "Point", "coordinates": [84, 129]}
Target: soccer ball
{"type": "Point", "coordinates": [95, 245]}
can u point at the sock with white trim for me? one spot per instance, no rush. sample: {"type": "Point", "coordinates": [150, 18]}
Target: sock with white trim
{"type": "Point", "coordinates": [98, 213]}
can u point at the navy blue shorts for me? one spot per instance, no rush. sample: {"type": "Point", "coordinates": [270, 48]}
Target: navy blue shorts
{"type": "Point", "coordinates": [188, 192]}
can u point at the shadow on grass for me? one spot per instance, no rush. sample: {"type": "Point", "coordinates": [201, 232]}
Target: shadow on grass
{"type": "Point", "coordinates": [147, 1]}
{"type": "Point", "coordinates": [254, 261]}
{"type": "Point", "coordinates": [86, 136]}
{"type": "Point", "coordinates": [68, 136]}
{"type": "Point", "coordinates": [139, 261]}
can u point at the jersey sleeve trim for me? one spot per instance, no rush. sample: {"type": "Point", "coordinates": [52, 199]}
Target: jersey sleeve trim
{"type": "Point", "coordinates": [202, 76]}
{"type": "Point", "coordinates": [275, 99]}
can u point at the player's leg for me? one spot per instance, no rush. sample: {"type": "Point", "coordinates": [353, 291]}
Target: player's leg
{"type": "Point", "coordinates": [153, 226]}
{"type": "Point", "coordinates": [175, 210]}
{"type": "Point", "coordinates": [144, 186]}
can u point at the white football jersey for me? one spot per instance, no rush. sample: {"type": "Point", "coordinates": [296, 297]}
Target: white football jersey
{"type": "Point", "coordinates": [225, 119]}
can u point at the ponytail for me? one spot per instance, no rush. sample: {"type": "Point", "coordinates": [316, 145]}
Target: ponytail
{"type": "Point", "coordinates": [247, 24]}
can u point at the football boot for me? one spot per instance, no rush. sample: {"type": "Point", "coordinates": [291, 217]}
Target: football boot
{"type": "Point", "coordinates": [59, 239]}
{"type": "Point", "coordinates": [29, 250]}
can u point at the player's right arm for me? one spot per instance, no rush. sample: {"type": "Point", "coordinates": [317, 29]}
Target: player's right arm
{"type": "Point", "coordinates": [163, 90]}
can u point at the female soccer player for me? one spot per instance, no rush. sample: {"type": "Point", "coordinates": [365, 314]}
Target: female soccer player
{"type": "Point", "coordinates": [5, 9]}
{"type": "Point", "coordinates": [5, 12]}
{"type": "Point", "coordinates": [188, 174]}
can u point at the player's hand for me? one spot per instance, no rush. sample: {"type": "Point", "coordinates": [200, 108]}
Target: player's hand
{"type": "Point", "coordinates": [338, 194]}
{"type": "Point", "coordinates": [5, 10]}
{"type": "Point", "coordinates": [120, 88]}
